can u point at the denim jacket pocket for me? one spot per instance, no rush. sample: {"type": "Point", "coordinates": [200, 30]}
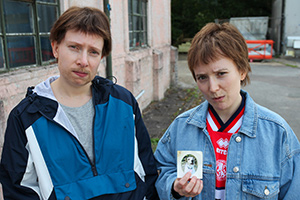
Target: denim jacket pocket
{"type": "Point", "coordinates": [260, 189]}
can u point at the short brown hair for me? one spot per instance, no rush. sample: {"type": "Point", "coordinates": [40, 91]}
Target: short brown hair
{"type": "Point", "coordinates": [215, 40]}
{"type": "Point", "coordinates": [87, 20]}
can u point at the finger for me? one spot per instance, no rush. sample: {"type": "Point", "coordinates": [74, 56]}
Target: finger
{"type": "Point", "coordinates": [201, 186]}
{"type": "Point", "coordinates": [186, 177]}
{"type": "Point", "coordinates": [179, 185]}
{"type": "Point", "coordinates": [198, 188]}
{"type": "Point", "coordinates": [190, 186]}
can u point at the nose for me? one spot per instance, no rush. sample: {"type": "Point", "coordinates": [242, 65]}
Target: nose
{"type": "Point", "coordinates": [213, 85]}
{"type": "Point", "coordinates": [82, 59]}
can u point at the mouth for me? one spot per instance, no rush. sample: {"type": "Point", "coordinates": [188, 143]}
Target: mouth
{"type": "Point", "coordinates": [80, 74]}
{"type": "Point", "coordinates": [219, 98]}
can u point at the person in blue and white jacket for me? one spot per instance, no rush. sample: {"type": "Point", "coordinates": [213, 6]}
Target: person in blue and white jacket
{"type": "Point", "coordinates": [249, 152]}
{"type": "Point", "coordinates": [77, 135]}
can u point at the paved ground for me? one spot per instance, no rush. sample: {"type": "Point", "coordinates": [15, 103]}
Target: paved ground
{"type": "Point", "coordinates": [273, 85]}
{"type": "Point", "coordinates": [277, 87]}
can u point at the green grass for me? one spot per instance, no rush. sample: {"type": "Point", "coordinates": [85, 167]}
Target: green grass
{"type": "Point", "coordinates": [294, 66]}
{"type": "Point", "coordinates": [154, 142]}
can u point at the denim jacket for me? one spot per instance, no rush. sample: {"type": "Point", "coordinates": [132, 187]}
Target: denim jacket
{"type": "Point", "coordinates": [263, 160]}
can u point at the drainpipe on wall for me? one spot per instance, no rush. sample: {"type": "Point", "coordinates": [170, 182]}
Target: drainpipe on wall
{"type": "Point", "coordinates": [282, 28]}
{"type": "Point", "coordinates": [108, 69]}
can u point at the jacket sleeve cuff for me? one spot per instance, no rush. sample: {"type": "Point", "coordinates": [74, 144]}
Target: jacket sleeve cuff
{"type": "Point", "coordinates": [174, 193]}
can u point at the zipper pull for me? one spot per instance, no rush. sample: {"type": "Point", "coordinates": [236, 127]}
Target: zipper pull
{"type": "Point", "coordinates": [95, 173]}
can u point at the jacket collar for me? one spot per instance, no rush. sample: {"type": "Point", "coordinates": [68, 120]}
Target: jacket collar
{"type": "Point", "coordinates": [44, 88]}
{"type": "Point", "coordinates": [41, 99]}
{"type": "Point", "coordinates": [198, 115]}
{"type": "Point", "coordinates": [250, 118]}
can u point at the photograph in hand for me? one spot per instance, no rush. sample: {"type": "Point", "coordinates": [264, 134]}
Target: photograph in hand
{"type": "Point", "coordinates": [189, 161]}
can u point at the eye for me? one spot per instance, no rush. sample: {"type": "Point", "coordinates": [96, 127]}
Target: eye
{"type": "Point", "coordinates": [95, 53]}
{"type": "Point", "coordinates": [221, 73]}
{"type": "Point", "coordinates": [74, 47]}
{"type": "Point", "coordinates": [201, 77]}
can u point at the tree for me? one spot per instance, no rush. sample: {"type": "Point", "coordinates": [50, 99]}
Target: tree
{"type": "Point", "coordinates": [189, 16]}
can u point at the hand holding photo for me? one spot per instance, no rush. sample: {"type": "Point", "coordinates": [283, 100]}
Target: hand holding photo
{"type": "Point", "coordinates": [190, 161]}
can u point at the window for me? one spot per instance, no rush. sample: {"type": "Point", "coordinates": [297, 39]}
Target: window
{"type": "Point", "coordinates": [137, 10]}
{"type": "Point", "coordinates": [24, 32]}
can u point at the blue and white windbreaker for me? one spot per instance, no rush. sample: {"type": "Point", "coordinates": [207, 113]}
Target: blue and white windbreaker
{"type": "Point", "coordinates": [42, 157]}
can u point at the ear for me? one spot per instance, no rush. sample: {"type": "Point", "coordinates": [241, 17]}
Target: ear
{"type": "Point", "coordinates": [243, 75]}
{"type": "Point", "coordinates": [54, 46]}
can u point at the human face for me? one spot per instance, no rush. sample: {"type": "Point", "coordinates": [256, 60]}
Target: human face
{"type": "Point", "coordinates": [220, 83]}
{"type": "Point", "coordinates": [78, 57]}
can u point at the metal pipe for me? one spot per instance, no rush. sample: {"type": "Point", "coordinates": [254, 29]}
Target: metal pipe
{"type": "Point", "coordinates": [108, 68]}
{"type": "Point", "coordinates": [140, 94]}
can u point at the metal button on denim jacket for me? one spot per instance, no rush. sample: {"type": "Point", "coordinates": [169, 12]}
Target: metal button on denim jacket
{"type": "Point", "coordinates": [263, 158]}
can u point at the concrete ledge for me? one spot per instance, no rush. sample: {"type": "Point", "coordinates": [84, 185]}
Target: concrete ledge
{"type": "Point", "coordinates": [288, 61]}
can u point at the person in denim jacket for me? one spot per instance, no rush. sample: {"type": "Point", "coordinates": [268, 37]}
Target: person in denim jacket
{"type": "Point", "coordinates": [249, 152]}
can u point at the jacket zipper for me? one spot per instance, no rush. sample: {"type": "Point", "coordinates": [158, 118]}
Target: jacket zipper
{"type": "Point", "coordinates": [93, 166]}
{"type": "Point", "coordinates": [94, 169]}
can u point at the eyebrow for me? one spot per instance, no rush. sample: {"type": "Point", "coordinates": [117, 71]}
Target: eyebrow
{"type": "Point", "coordinates": [222, 69]}
{"type": "Point", "coordinates": [74, 42]}
{"type": "Point", "coordinates": [218, 70]}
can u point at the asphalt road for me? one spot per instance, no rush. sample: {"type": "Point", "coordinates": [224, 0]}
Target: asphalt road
{"type": "Point", "coordinates": [273, 85]}
{"type": "Point", "coordinates": [277, 87]}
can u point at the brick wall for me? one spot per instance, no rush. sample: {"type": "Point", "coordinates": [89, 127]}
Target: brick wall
{"type": "Point", "coordinates": [13, 87]}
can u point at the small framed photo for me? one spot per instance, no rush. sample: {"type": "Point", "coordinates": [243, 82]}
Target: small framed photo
{"type": "Point", "coordinates": [190, 161]}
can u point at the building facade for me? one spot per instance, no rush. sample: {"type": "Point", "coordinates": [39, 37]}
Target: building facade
{"type": "Point", "coordinates": [285, 27]}
{"type": "Point", "coordinates": [142, 58]}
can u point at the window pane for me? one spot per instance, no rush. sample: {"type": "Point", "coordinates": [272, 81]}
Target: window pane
{"type": "Point", "coordinates": [18, 17]}
{"type": "Point", "coordinates": [136, 40]}
{"type": "Point", "coordinates": [143, 39]}
{"type": "Point", "coordinates": [46, 16]}
{"type": "Point", "coordinates": [130, 7]}
{"type": "Point", "coordinates": [136, 23]}
{"type": "Point", "coordinates": [21, 51]}
{"type": "Point", "coordinates": [136, 8]}
{"type": "Point", "coordinates": [143, 11]}
{"type": "Point", "coordinates": [50, 1]}
{"type": "Point", "coordinates": [130, 22]}
{"type": "Point", "coordinates": [0, 24]}
{"type": "Point", "coordinates": [2, 60]}
{"type": "Point", "coordinates": [131, 39]}
{"type": "Point", "coordinates": [144, 24]}
{"type": "Point", "coordinates": [46, 49]}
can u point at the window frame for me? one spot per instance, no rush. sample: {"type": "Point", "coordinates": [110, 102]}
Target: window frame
{"type": "Point", "coordinates": [36, 34]}
{"type": "Point", "coordinates": [142, 31]}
